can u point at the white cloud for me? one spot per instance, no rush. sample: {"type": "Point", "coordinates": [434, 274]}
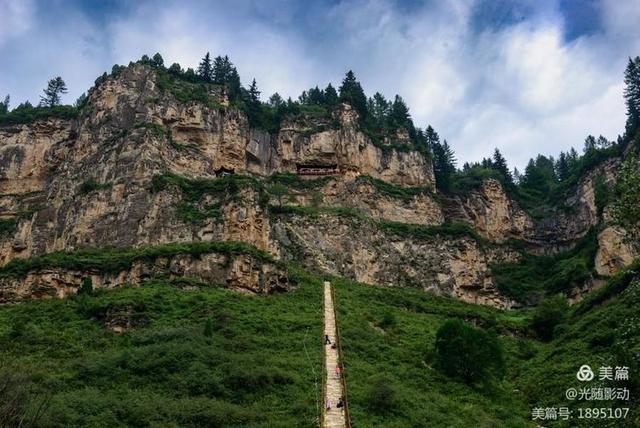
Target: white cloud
{"type": "Point", "coordinates": [517, 86]}
{"type": "Point", "coordinates": [15, 18]}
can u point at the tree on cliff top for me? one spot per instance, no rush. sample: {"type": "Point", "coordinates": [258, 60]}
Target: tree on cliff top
{"type": "Point", "coordinates": [351, 92]}
{"type": "Point", "coordinates": [632, 95]}
{"type": "Point", "coordinates": [4, 106]}
{"type": "Point", "coordinates": [500, 164]}
{"type": "Point", "coordinates": [205, 70]}
{"type": "Point", "coordinates": [55, 87]}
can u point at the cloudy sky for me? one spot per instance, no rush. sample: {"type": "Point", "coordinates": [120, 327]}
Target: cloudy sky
{"type": "Point", "coordinates": [528, 76]}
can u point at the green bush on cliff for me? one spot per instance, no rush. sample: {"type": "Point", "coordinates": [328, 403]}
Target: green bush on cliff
{"type": "Point", "coordinates": [400, 192]}
{"type": "Point", "coordinates": [194, 189]}
{"type": "Point", "coordinates": [116, 260]}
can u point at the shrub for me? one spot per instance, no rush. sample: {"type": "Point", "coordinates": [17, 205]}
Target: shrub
{"type": "Point", "coordinates": [550, 313]}
{"type": "Point", "coordinates": [468, 353]}
{"type": "Point", "coordinates": [87, 286]}
{"type": "Point", "coordinates": [381, 395]}
{"type": "Point", "coordinates": [91, 185]}
{"type": "Point", "coordinates": [208, 328]}
{"type": "Point", "coordinates": [388, 320]}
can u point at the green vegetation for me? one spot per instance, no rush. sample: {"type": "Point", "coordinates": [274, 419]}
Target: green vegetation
{"type": "Point", "coordinates": [278, 190]}
{"type": "Point", "coordinates": [197, 215]}
{"type": "Point", "coordinates": [91, 185]}
{"type": "Point", "coordinates": [404, 193]}
{"type": "Point", "coordinates": [211, 357]}
{"type": "Point", "coordinates": [603, 330]}
{"type": "Point", "coordinates": [407, 230]}
{"type": "Point", "coordinates": [315, 212]}
{"type": "Point", "coordinates": [626, 210]}
{"type": "Point", "coordinates": [224, 189]}
{"type": "Point", "coordinates": [118, 259]}
{"type": "Point", "coordinates": [294, 181]}
{"type": "Point", "coordinates": [533, 277]}
{"type": "Point", "coordinates": [419, 231]}
{"type": "Point", "coordinates": [26, 113]}
{"type": "Point", "coordinates": [390, 377]}
{"type": "Point", "coordinates": [86, 287]}
{"type": "Point", "coordinates": [468, 353]}
{"type": "Point", "coordinates": [194, 189]}
{"type": "Point", "coordinates": [55, 87]}
{"type": "Point", "coordinates": [189, 91]}
{"type": "Point", "coordinates": [548, 315]}
{"type": "Point", "coordinates": [600, 332]}
{"type": "Point", "coordinates": [157, 129]}
{"type": "Point", "coordinates": [255, 364]}
{"type": "Point", "coordinates": [8, 227]}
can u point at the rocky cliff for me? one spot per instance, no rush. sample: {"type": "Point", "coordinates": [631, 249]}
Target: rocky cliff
{"type": "Point", "coordinates": [141, 167]}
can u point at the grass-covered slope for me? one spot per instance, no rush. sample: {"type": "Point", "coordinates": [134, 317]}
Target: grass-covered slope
{"type": "Point", "coordinates": [388, 340]}
{"type": "Point", "coordinates": [387, 337]}
{"type": "Point", "coordinates": [255, 366]}
{"type": "Point", "coordinates": [210, 357]}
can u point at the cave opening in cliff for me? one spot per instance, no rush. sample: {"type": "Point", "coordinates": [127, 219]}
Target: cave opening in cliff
{"type": "Point", "coordinates": [304, 169]}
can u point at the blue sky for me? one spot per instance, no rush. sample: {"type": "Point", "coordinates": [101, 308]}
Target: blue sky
{"type": "Point", "coordinates": [528, 77]}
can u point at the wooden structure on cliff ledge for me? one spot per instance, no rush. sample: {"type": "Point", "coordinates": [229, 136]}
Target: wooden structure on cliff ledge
{"type": "Point", "coordinates": [317, 169]}
{"type": "Point", "coordinates": [223, 172]}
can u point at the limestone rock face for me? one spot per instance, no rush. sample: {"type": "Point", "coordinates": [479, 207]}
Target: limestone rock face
{"type": "Point", "coordinates": [614, 252]}
{"type": "Point", "coordinates": [360, 194]}
{"type": "Point", "coordinates": [238, 272]}
{"type": "Point", "coordinates": [352, 152]}
{"type": "Point", "coordinates": [26, 155]}
{"type": "Point", "coordinates": [450, 266]}
{"type": "Point", "coordinates": [97, 181]}
{"type": "Point", "coordinates": [494, 215]}
{"type": "Point", "coordinates": [95, 173]}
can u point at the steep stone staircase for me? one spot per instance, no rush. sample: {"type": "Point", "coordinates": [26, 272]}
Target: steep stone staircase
{"type": "Point", "coordinates": [334, 387]}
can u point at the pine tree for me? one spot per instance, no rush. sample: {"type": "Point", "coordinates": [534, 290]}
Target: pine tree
{"type": "Point", "coordinates": [253, 104]}
{"type": "Point", "coordinates": [276, 100]}
{"type": "Point", "coordinates": [222, 70]}
{"type": "Point", "coordinates": [603, 143]}
{"type": "Point", "coordinates": [55, 87]}
{"type": "Point", "coordinates": [316, 96]}
{"type": "Point", "coordinates": [379, 108]}
{"type": "Point", "coordinates": [431, 136]}
{"type": "Point", "coordinates": [517, 177]}
{"type": "Point", "coordinates": [351, 92]}
{"type": "Point", "coordinates": [234, 87]}
{"type": "Point", "coordinates": [500, 164]}
{"type": "Point", "coordinates": [4, 105]}
{"type": "Point", "coordinates": [444, 162]}
{"type": "Point", "coordinates": [589, 144]}
{"type": "Point", "coordinates": [330, 95]}
{"type": "Point", "coordinates": [205, 69]}
{"type": "Point", "coordinates": [175, 69]}
{"type": "Point", "coordinates": [632, 95]}
{"type": "Point", "coordinates": [80, 101]}
{"type": "Point", "coordinates": [562, 167]}
{"type": "Point", "coordinates": [157, 60]}
{"type": "Point", "coordinates": [399, 116]}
